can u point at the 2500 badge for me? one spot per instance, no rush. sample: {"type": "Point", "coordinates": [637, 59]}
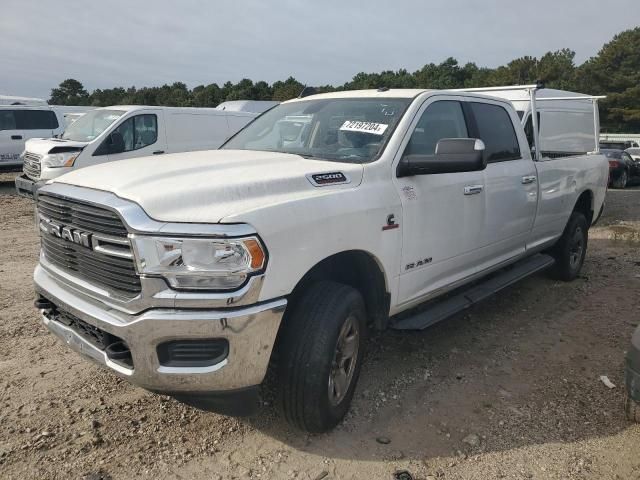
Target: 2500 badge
{"type": "Point", "coordinates": [329, 178]}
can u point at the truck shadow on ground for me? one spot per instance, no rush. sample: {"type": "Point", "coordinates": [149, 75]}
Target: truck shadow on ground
{"type": "Point", "coordinates": [7, 187]}
{"type": "Point", "coordinates": [521, 368]}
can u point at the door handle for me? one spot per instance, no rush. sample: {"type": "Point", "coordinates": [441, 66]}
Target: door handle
{"type": "Point", "coordinates": [529, 179]}
{"type": "Point", "coordinates": [16, 137]}
{"type": "Point", "coordinates": [473, 189]}
{"type": "Point", "coordinates": [158, 152]}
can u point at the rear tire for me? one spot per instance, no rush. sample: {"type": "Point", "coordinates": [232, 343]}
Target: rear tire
{"type": "Point", "coordinates": [320, 355]}
{"type": "Point", "coordinates": [631, 409]}
{"type": "Point", "coordinates": [571, 249]}
{"type": "Point", "coordinates": [621, 181]}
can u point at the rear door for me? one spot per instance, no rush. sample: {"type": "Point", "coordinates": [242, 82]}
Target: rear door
{"type": "Point", "coordinates": [11, 138]}
{"type": "Point", "coordinates": [510, 183]}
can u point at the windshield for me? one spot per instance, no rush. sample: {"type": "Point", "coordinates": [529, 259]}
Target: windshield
{"type": "Point", "coordinates": [351, 130]}
{"type": "Point", "coordinates": [91, 124]}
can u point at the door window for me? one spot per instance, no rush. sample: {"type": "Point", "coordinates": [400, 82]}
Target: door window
{"type": "Point", "coordinates": [139, 131]}
{"type": "Point", "coordinates": [496, 131]}
{"type": "Point", "coordinates": [442, 119]}
{"type": "Point", "coordinates": [36, 120]}
{"type": "Point", "coordinates": [7, 120]}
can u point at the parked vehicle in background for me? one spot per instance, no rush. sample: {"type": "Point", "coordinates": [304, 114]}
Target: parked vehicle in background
{"type": "Point", "coordinates": [326, 217]}
{"type": "Point", "coordinates": [18, 123]}
{"type": "Point", "coordinates": [249, 106]}
{"type": "Point", "coordinates": [618, 144]}
{"type": "Point", "coordinates": [11, 100]}
{"type": "Point", "coordinates": [69, 118]}
{"type": "Point", "coordinates": [567, 123]}
{"type": "Point", "coordinates": [122, 132]}
{"type": "Point", "coordinates": [622, 168]}
{"type": "Point", "coordinates": [632, 379]}
{"type": "Point", "coordinates": [634, 152]}
{"type": "Point", "coordinates": [72, 113]}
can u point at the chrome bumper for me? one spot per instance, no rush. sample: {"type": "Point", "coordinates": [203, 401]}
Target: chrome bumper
{"type": "Point", "coordinates": [26, 187]}
{"type": "Point", "coordinates": [251, 333]}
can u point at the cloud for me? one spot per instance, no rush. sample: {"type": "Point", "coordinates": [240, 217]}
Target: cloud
{"type": "Point", "coordinates": [146, 43]}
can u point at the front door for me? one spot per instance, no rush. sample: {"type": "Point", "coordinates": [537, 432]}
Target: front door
{"type": "Point", "coordinates": [141, 136]}
{"type": "Point", "coordinates": [442, 214]}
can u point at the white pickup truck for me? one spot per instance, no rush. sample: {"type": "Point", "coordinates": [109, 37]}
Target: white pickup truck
{"type": "Point", "coordinates": [324, 218]}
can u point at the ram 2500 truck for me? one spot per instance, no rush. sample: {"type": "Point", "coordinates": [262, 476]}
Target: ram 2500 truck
{"type": "Point", "coordinates": [326, 217]}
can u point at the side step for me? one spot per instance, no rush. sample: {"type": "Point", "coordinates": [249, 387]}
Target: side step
{"type": "Point", "coordinates": [440, 310]}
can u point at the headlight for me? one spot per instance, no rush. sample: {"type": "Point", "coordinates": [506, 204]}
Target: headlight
{"type": "Point", "coordinates": [55, 160]}
{"type": "Point", "coordinates": [199, 263]}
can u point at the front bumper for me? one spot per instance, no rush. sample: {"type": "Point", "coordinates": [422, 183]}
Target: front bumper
{"type": "Point", "coordinates": [632, 370]}
{"type": "Point", "coordinates": [27, 187]}
{"type": "Point", "coordinates": [251, 332]}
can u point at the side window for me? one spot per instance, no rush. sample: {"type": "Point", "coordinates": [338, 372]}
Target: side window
{"type": "Point", "coordinates": [496, 131]}
{"type": "Point", "coordinates": [443, 119]}
{"type": "Point", "coordinates": [146, 130]}
{"type": "Point", "coordinates": [7, 120]}
{"type": "Point", "coordinates": [139, 131]}
{"type": "Point", "coordinates": [125, 129]}
{"type": "Point", "coordinates": [36, 120]}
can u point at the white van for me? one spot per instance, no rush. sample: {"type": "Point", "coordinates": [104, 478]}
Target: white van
{"type": "Point", "coordinates": [568, 122]}
{"type": "Point", "coordinates": [71, 113]}
{"type": "Point", "coordinates": [251, 106]}
{"type": "Point", "coordinates": [121, 132]}
{"type": "Point", "coordinates": [18, 123]}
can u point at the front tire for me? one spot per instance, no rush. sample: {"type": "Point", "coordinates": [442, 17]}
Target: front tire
{"type": "Point", "coordinates": [320, 355]}
{"type": "Point", "coordinates": [571, 249]}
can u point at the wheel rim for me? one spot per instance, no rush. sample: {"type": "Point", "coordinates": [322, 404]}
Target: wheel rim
{"type": "Point", "coordinates": [344, 361]}
{"type": "Point", "coordinates": [576, 248]}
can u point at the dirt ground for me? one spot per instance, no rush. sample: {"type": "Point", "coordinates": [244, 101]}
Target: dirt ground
{"type": "Point", "coordinates": [509, 389]}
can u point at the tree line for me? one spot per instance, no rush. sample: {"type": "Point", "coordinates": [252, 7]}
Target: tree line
{"type": "Point", "coordinates": [614, 71]}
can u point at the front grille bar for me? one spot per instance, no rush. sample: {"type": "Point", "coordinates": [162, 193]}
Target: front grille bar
{"type": "Point", "coordinates": [101, 254]}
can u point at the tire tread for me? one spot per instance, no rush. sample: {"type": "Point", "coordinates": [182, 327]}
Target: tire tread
{"type": "Point", "coordinates": [302, 335]}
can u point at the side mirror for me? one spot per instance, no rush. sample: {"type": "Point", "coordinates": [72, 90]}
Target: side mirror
{"type": "Point", "coordinates": [116, 143]}
{"type": "Point", "coordinates": [453, 155]}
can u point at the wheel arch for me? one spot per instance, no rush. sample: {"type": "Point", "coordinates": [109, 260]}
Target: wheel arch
{"type": "Point", "coordinates": [585, 205]}
{"type": "Point", "coordinates": [358, 269]}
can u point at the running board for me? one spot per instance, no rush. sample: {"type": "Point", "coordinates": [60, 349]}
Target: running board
{"type": "Point", "coordinates": [441, 310]}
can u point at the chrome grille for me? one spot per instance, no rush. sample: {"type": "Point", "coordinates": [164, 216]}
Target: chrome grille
{"type": "Point", "coordinates": [81, 215]}
{"type": "Point", "coordinates": [111, 267]}
{"type": "Point", "coordinates": [31, 166]}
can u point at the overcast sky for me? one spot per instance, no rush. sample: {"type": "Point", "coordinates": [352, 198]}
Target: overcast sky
{"type": "Point", "coordinates": [146, 43]}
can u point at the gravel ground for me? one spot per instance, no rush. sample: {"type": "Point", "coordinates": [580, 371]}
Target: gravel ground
{"type": "Point", "coordinates": [510, 389]}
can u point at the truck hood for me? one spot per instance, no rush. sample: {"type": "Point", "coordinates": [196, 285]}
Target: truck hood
{"type": "Point", "coordinates": [42, 146]}
{"type": "Point", "coordinates": [211, 185]}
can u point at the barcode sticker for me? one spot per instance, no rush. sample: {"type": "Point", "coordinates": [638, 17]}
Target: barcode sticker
{"type": "Point", "coordinates": [364, 127]}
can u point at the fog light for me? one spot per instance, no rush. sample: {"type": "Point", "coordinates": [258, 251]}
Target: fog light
{"type": "Point", "coordinates": [193, 353]}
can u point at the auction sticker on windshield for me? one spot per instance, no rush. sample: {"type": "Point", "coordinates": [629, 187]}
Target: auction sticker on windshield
{"type": "Point", "coordinates": [364, 127]}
